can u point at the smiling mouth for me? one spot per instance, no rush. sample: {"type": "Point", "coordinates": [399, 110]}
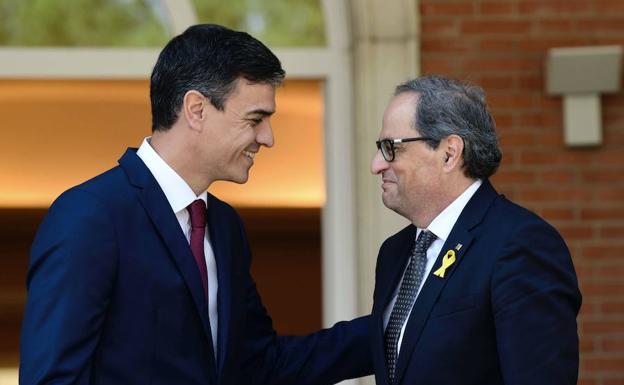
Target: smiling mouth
{"type": "Point", "coordinates": [250, 155]}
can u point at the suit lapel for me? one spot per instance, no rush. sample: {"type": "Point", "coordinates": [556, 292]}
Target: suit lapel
{"type": "Point", "coordinates": [428, 296]}
{"type": "Point", "coordinates": [470, 217]}
{"type": "Point", "coordinates": [166, 224]}
{"type": "Point", "coordinates": [220, 239]}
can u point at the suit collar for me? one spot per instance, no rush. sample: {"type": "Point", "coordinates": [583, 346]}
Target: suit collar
{"type": "Point", "coordinates": [459, 240]}
{"type": "Point", "coordinates": [166, 224]}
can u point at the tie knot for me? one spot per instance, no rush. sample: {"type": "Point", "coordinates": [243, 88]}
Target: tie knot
{"type": "Point", "coordinates": [197, 210]}
{"type": "Point", "coordinates": [424, 240]}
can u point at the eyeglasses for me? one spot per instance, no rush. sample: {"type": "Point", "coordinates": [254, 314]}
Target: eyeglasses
{"type": "Point", "coordinates": [387, 146]}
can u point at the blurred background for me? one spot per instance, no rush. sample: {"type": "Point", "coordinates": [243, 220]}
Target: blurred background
{"type": "Point", "coordinates": [74, 93]}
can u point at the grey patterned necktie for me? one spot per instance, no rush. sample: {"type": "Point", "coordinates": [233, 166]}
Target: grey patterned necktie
{"type": "Point", "coordinates": [406, 297]}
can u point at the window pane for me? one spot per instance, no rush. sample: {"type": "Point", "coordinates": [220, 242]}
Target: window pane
{"type": "Point", "coordinates": [278, 23]}
{"type": "Point", "coordinates": [92, 23]}
{"type": "Point", "coordinates": [82, 127]}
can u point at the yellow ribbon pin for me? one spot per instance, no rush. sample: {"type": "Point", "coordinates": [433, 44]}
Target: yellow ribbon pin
{"type": "Point", "coordinates": [447, 261]}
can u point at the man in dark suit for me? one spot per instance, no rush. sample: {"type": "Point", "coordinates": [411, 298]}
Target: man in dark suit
{"type": "Point", "coordinates": [477, 290]}
{"type": "Point", "coordinates": [139, 276]}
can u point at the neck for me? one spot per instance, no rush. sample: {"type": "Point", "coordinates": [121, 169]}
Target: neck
{"type": "Point", "coordinates": [174, 149]}
{"type": "Point", "coordinates": [451, 190]}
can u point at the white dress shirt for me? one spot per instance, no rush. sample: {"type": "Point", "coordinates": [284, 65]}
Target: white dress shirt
{"type": "Point", "coordinates": [180, 195]}
{"type": "Point", "coordinates": [441, 226]}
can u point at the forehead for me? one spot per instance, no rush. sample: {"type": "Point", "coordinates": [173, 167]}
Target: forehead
{"type": "Point", "coordinates": [399, 116]}
{"type": "Point", "coordinates": [249, 96]}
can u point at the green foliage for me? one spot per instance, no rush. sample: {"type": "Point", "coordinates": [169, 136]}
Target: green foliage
{"type": "Point", "coordinates": [138, 23]}
{"type": "Point", "coordinates": [63, 23]}
{"type": "Point", "coordinates": [275, 22]}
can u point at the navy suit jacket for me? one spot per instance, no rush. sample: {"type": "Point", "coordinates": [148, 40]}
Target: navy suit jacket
{"type": "Point", "coordinates": [115, 297]}
{"type": "Point", "coordinates": [504, 313]}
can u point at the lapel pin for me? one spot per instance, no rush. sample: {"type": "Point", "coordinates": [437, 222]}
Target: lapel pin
{"type": "Point", "coordinates": [458, 247]}
{"type": "Point", "coordinates": [447, 261]}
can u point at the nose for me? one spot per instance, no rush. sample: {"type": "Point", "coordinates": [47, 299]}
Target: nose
{"type": "Point", "coordinates": [264, 135]}
{"type": "Point", "coordinates": [379, 164]}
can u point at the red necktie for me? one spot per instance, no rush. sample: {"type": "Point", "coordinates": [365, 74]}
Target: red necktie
{"type": "Point", "coordinates": [197, 210]}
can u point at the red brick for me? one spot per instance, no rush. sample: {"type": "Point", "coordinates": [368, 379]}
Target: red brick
{"type": "Point", "coordinates": [609, 6]}
{"type": "Point", "coordinates": [496, 27]}
{"type": "Point", "coordinates": [614, 364]}
{"type": "Point", "coordinates": [614, 381]}
{"type": "Point", "coordinates": [531, 82]}
{"type": "Point", "coordinates": [498, 45]}
{"type": "Point", "coordinates": [613, 101]}
{"type": "Point", "coordinates": [517, 139]}
{"type": "Point", "coordinates": [586, 345]}
{"type": "Point", "coordinates": [540, 119]}
{"type": "Point", "coordinates": [607, 272]}
{"type": "Point", "coordinates": [446, 9]}
{"type": "Point", "coordinates": [576, 232]}
{"type": "Point", "coordinates": [503, 120]}
{"type": "Point", "coordinates": [604, 157]}
{"type": "Point", "coordinates": [543, 45]}
{"type": "Point", "coordinates": [601, 25]}
{"type": "Point", "coordinates": [554, 26]}
{"type": "Point", "coordinates": [610, 195]}
{"type": "Point", "coordinates": [531, 157]}
{"type": "Point", "coordinates": [503, 82]}
{"type": "Point", "coordinates": [616, 232]}
{"type": "Point", "coordinates": [553, 7]}
{"type": "Point", "coordinates": [602, 176]}
{"type": "Point", "coordinates": [495, 8]}
{"type": "Point", "coordinates": [613, 344]}
{"type": "Point", "coordinates": [613, 307]}
{"type": "Point", "coordinates": [552, 103]}
{"type": "Point", "coordinates": [602, 213]}
{"type": "Point", "coordinates": [446, 45]}
{"type": "Point", "coordinates": [587, 381]}
{"type": "Point", "coordinates": [502, 65]}
{"type": "Point", "coordinates": [505, 176]}
{"type": "Point", "coordinates": [437, 66]}
{"type": "Point", "coordinates": [551, 195]}
{"type": "Point", "coordinates": [558, 214]}
{"type": "Point", "coordinates": [558, 176]}
{"type": "Point", "coordinates": [590, 327]}
{"type": "Point", "coordinates": [507, 100]}
{"type": "Point", "coordinates": [604, 252]}
{"type": "Point", "coordinates": [439, 28]}
{"type": "Point", "coordinates": [551, 139]}
{"type": "Point", "coordinates": [612, 136]}
{"type": "Point", "coordinates": [604, 288]}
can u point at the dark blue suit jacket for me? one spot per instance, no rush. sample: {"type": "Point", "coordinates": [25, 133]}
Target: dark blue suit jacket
{"type": "Point", "coordinates": [114, 297]}
{"type": "Point", "coordinates": [504, 313]}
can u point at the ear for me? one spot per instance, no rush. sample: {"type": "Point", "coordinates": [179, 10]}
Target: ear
{"type": "Point", "coordinates": [193, 109]}
{"type": "Point", "coordinates": [452, 149]}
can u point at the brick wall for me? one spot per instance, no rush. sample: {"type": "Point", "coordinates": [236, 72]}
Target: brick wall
{"type": "Point", "coordinates": [502, 45]}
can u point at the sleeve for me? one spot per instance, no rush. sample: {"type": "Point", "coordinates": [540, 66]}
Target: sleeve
{"type": "Point", "coordinates": [325, 357]}
{"type": "Point", "coordinates": [535, 300]}
{"type": "Point", "coordinates": [70, 279]}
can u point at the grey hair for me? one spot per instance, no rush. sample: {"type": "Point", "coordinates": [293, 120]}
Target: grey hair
{"type": "Point", "coordinates": [446, 107]}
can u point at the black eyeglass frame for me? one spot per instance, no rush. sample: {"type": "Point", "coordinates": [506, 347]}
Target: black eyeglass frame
{"type": "Point", "coordinates": [392, 142]}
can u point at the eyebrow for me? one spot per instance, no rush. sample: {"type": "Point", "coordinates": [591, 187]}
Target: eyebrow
{"type": "Point", "coordinates": [260, 111]}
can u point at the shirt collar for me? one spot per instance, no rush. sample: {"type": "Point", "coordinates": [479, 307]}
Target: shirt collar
{"type": "Point", "coordinates": [442, 225]}
{"type": "Point", "coordinates": [178, 192]}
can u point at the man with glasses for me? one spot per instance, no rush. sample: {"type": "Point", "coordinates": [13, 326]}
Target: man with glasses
{"type": "Point", "coordinates": [477, 290]}
{"type": "Point", "coordinates": [139, 276]}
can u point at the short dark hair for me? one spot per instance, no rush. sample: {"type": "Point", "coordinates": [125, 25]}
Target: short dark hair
{"type": "Point", "coordinates": [208, 58]}
{"type": "Point", "coordinates": [447, 106]}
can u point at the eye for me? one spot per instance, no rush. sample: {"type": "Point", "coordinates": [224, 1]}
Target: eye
{"type": "Point", "coordinates": [255, 121]}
